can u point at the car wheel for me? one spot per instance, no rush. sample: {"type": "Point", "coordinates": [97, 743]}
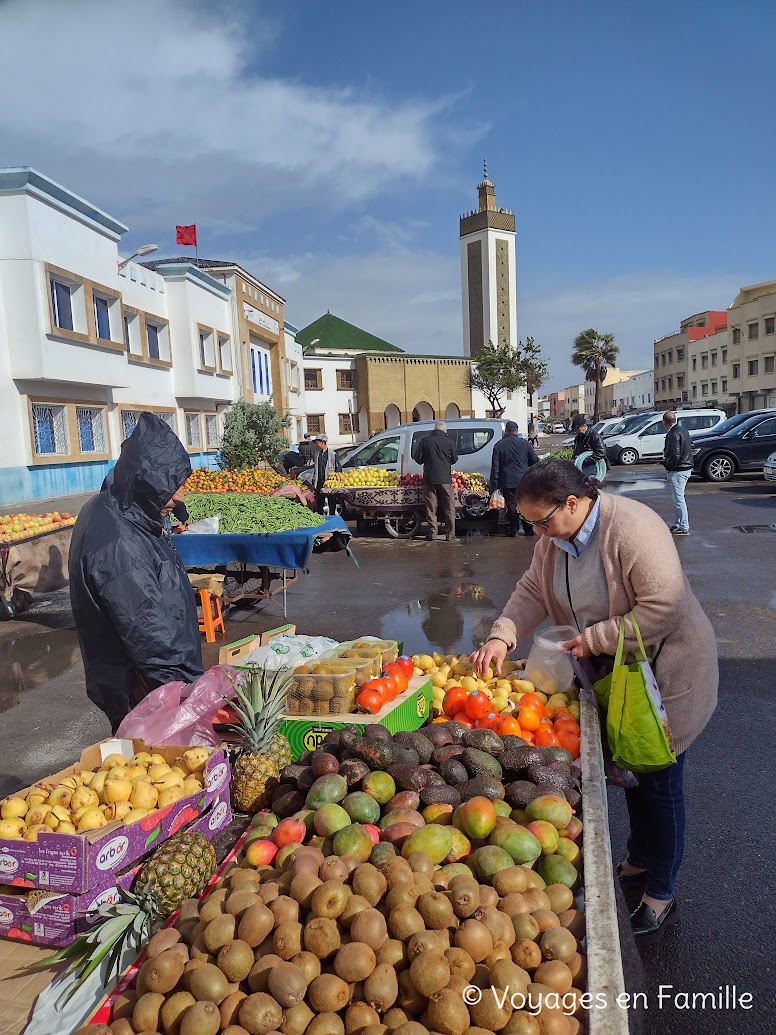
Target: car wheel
{"type": "Point", "coordinates": [627, 456]}
{"type": "Point", "coordinates": [402, 526]}
{"type": "Point", "coordinates": [719, 468]}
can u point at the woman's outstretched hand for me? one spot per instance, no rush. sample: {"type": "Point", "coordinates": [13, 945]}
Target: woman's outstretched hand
{"type": "Point", "coordinates": [494, 651]}
{"type": "Point", "coordinates": [578, 647]}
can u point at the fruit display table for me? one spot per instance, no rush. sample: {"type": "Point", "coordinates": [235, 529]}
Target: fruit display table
{"type": "Point", "coordinates": [400, 507]}
{"type": "Point", "coordinates": [33, 558]}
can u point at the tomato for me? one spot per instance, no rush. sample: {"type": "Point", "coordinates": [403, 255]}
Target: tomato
{"type": "Point", "coordinates": [369, 700]}
{"type": "Point", "coordinates": [477, 704]}
{"type": "Point", "coordinates": [397, 673]}
{"type": "Point", "coordinates": [508, 725]}
{"type": "Point", "coordinates": [455, 700]}
{"type": "Point", "coordinates": [407, 666]}
{"type": "Point", "coordinates": [384, 687]}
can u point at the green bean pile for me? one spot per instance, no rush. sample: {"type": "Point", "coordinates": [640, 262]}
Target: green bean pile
{"type": "Point", "coordinates": [253, 514]}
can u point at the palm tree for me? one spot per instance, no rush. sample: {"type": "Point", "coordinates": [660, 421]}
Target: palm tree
{"type": "Point", "coordinates": [594, 353]}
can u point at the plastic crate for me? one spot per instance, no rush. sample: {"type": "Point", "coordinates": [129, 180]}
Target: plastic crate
{"type": "Point", "coordinates": [388, 648]}
{"type": "Point", "coordinates": [321, 689]}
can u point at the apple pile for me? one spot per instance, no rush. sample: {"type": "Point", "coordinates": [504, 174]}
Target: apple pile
{"type": "Point", "coordinates": [14, 527]}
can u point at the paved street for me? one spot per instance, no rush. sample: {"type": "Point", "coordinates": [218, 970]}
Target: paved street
{"type": "Point", "coordinates": [444, 596]}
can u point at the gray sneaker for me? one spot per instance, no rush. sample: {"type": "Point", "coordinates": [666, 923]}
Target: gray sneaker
{"type": "Point", "coordinates": [680, 531]}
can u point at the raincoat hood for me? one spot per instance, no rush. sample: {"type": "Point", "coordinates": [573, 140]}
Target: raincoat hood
{"type": "Point", "coordinates": [153, 465]}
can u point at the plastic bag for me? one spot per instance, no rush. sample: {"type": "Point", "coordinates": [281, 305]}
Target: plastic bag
{"type": "Point", "coordinates": [288, 651]}
{"type": "Point", "coordinates": [205, 526]}
{"type": "Point", "coordinates": [547, 666]}
{"type": "Point", "coordinates": [496, 501]}
{"type": "Point", "coordinates": [181, 713]}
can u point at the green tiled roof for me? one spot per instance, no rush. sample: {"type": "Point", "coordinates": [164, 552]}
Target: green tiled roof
{"type": "Point", "coordinates": [334, 333]}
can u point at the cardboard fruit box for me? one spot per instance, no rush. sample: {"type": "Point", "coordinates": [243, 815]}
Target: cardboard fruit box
{"type": "Point", "coordinates": [74, 863]}
{"type": "Point", "coordinates": [54, 918]}
{"type": "Point", "coordinates": [408, 712]}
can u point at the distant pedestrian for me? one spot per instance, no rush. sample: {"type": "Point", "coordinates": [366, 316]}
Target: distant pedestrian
{"type": "Point", "coordinates": [512, 457]}
{"type": "Point", "coordinates": [326, 462]}
{"type": "Point", "coordinates": [438, 454]}
{"type": "Point", "coordinates": [533, 434]}
{"type": "Point", "coordinates": [677, 460]}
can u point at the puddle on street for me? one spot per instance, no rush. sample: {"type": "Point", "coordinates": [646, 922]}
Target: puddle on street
{"type": "Point", "coordinates": [755, 528]}
{"type": "Point", "coordinates": [449, 621]}
{"type": "Point", "coordinates": [617, 488]}
{"type": "Point", "coordinates": [28, 662]}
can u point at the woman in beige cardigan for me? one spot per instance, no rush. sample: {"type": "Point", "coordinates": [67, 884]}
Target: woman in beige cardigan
{"type": "Point", "coordinates": [598, 558]}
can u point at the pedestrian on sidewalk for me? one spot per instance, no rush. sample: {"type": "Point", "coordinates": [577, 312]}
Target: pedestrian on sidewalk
{"type": "Point", "coordinates": [134, 608]}
{"type": "Point", "coordinates": [437, 454]}
{"type": "Point", "coordinates": [677, 460]}
{"type": "Point", "coordinates": [512, 457]}
{"type": "Point", "coordinates": [533, 434]}
{"type": "Point", "coordinates": [599, 558]}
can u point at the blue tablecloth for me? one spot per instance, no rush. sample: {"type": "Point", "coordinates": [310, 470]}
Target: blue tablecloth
{"type": "Point", "coordinates": [275, 549]}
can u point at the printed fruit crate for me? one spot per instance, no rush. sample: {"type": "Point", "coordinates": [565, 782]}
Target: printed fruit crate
{"type": "Point", "coordinates": [53, 918]}
{"type": "Point", "coordinates": [408, 712]}
{"type": "Point", "coordinates": [74, 863]}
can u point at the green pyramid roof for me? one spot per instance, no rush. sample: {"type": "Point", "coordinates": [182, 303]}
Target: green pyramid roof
{"type": "Point", "coordinates": [333, 333]}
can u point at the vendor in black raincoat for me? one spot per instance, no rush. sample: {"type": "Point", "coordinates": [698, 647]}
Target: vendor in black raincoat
{"type": "Point", "coordinates": [134, 609]}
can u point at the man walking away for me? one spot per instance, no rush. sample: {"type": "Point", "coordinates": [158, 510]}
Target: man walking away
{"type": "Point", "coordinates": [133, 606]}
{"type": "Point", "coordinates": [677, 460]}
{"type": "Point", "coordinates": [438, 454]}
{"type": "Point", "coordinates": [533, 435]}
{"type": "Point", "coordinates": [586, 440]}
{"type": "Point", "coordinates": [512, 457]}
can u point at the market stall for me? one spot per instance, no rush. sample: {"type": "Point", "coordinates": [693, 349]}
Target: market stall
{"type": "Point", "coordinates": [34, 551]}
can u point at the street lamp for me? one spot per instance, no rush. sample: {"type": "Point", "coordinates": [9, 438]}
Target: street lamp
{"type": "Point", "coordinates": [144, 249]}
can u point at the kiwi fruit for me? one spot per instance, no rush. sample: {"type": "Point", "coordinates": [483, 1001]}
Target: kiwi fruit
{"type": "Point", "coordinates": [329, 900]}
{"type": "Point", "coordinates": [259, 1014]}
{"type": "Point", "coordinates": [513, 904]}
{"type": "Point", "coordinates": [512, 879]}
{"type": "Point", "coordinates": [284, 909]}
{"type": "Point", "coordinates": [374, 1029]}
{"type": "Point", "coordinates": [218, 932]}
{"type": "Point", "coordinates": [422, 942]}
{"type": "Point", "coordinates": [423, 883]}
{"type": "Point", "coordinates": [560, 897]}
{"type": "Point", "coordinates": [490, 1013]}
{"type": "Point", "coordinates": [522, 1023]}
{"type": "Point", "coordinates": [354, 962]}
{"type": "Point", "coordinates": [474, 937]}
{"type": "Point", "coordinates": [505, 974]}
{"type": "Point", "coordinates": [394, 952]}
{"type": "Point", "coordinates": [574, 921]}
{"type": "Point", "coordinates": [536, 899]}
{"type": "Point", "coordinates": [303, 885]}
{"type": "Point", "coordinates": [322, 937]}
{"type": "Point", "coordinates": [412, 1028]}
{"type": "Point", "coordinates": [206, 983]}
{"type": "Point", "coordinates": [403, 922]}
{"type": "Point", "coordinates": [436, 910]}
{"type": "Point", "coordinates": [333, 868]}
{"type": "Point", "coordinates": [403, 895]}
{"type": "Point", "coordinates": [525, 926]}
{"type": "Point", "coordinates": [214, 905]}
{"type": "Point", "coordinates": [145, 1016]}
{"type": "Point", "coordinates": [255, 924]}
{"type": "Point", "coordinates": [448, 1013]}
{"type": "Point", "coordinates": [369, 882]}
{"type": "Point", "coordinates": [296, 1019]}
{"type": "Point", "coordinates": [460, 963]}
{"type": "Point", "coordinates": [287, 984]}
{"type": "Point", "coordinates": [546, 919]}
{"type": "Point", "coordinates": [369, 926]}
{"type": "Point", "coordinates": [360, 1016]}
{"type": "Point", "coordinates": [269, 891]}
{"type": "Point", "coordinates": [555, 974]}
{"type": "Point", "coordinates": [235, 961]}
{"type": "Point", "coordinates": [309, 964]}
{"type": "Point", "coordinates": [492, 919]}
{"type": "Point", "coordinates": [578, 967]}
{"type": "Point", "coordinates": [123, 1026]}
{"type": "Point", "coordinates": [356, 904]}
{"type": "Point", "coordinates": [526, 954]}
{"type": "Point", "coordinates": [409, 998]}
{"type": "Point", "coordinates": [287, 940]}
{"type": "Point", "coordinates": [162, 941]}
{"type": "Point", "coordinates": [430, 973]}
{"type": "Point", "coordinates": [381, 988]}
{"type": "Point", "coordinates": [488, 897]}
{"type": "Point", "coordinates": [558, 943]}
{"type": "Point", "coordinates": [326, 1024]}
{"type": "Point", "coordinates": [201, 1019]}
{"type": "Point", "coordinates": [328, 994]}
{"type": "Point", "coordinates": [464, 894]}
{"type": "Point", "coordinates": [258, 978]}
{"type": "Point", "coordinates": [230, 1008]}
{"type": "Point", "coordinates": [164, 971]}
{"type": "Point", "coordinates": [240, 899]}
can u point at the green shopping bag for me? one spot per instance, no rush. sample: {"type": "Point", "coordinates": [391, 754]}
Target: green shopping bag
{"type": "Point", "coordinates": [637, 726]}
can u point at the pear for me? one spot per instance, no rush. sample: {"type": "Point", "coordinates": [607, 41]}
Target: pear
{"type": "Point", "coordinates": [91, 819]}
{"type": "Point", "coordinates": [60, 796]}
{"type": "Point", "coordinates": [191, 785]}
{"type": "Point", "coordinates": [31, 833]}
{"type": "Point", "coordinates": [118, 772]}
{"type": "Point", "coordinates": [141, 758]}
{"type": "Point", "coordinates": [51, 820]}
{"type": "Point", "coordinates": [97, 782]}
{"type": "Point", "coordinates": [171, 779]}
{"type": "Point", "coordinates": [35, 797]}
{"type": "Point", "coordinates": [71, 782]}
{"type": "Point", "coordinates": [84, 797]}
{"type": "Point", "coordinates": [110, 761]}
{"type": "Point", "coordinates": [157, 771]}
{"type": "Point", "coordinates": [37, 814]}
{"type": "Point", "coordinates": [182, 771]}
{"type": "Point", "coordinates": [118, 810]}
{"type": "Point", "coordinates": [12, 828]}
{"type": "Point", "coordinates": [170, 795]}
{"type": "Point", "coordinates": [66, 828]}
{"type": "Point", "coordinates": [62, 814]}
{"type": "Point", "coordinates": [134, 816]}
{"type": "Point", "coordinates": [158, 760]}
{"type": "Point", "coordinates": [196, 759]}
{"type": "Point", "coordinates": [14, 808]}
{"type": "Point", "coordinates": [117, 790]}
{"type": "Point", "coordinates": [134, 772]}
{"type": "Point", "coordinates": [144, 795]}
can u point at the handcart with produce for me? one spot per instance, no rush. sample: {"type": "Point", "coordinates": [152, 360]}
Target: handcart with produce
{"type": "Point", "coordinates": [34, 550]}
{"type": "Point", "coordinates": [397, 503]}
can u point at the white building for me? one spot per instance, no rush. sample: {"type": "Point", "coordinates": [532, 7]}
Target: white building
{"type": "Point", "coordinates": [85, 346]}
{"type": "Point", "coordinates": [294, 362]}
{"type": "Point", "coordinates": [634, 393]}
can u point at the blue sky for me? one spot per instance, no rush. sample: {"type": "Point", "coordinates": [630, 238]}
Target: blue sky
{"type": "Point", "coordinates": [331, 147]}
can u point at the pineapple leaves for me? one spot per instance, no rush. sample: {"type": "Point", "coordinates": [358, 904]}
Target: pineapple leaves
{"type": "Point", "coordinates": [260, 700]}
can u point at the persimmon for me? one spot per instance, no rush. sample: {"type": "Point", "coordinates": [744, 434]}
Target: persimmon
{"type": "Point", "coordinates": [546, 738]}
{"type": "Point", "coordinates": [508, 726]}
{"type": "Point", "coordinates": [454, 701]}
{"type": "Point", "coordinates": [529, 719]}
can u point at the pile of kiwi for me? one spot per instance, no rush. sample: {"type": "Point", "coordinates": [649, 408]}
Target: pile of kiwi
{"type": "Point", "coordinates": [335, 946]}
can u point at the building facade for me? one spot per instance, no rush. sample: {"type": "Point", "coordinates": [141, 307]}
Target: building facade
{"type": "Point", "coordinates": [573, 400]}
{"type": "Point", "coordinates": [488, 273]}
{"type": "Point", "coordinates": [606, 398]}
{"type": "Point", "coordinates": [672, 357]}
{"type": "Point", "coordinates": [708, 371]}
{"type": "Point", "coordinates": [630, 395]}
{"type": "Point", "coordinates": [752, 347]}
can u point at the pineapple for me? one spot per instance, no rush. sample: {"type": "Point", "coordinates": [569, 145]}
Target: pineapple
{"type": "Point", "coordinates": [260, 700]}
{"type": "Point", "coordinates": [180, 869]}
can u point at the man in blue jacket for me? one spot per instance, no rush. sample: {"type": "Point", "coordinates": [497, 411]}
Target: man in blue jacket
{"type": "Point", "coordinates": [512, 457]}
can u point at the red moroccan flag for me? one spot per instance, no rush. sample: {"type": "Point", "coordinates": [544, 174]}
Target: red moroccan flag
{"type": "Point", "coordinates": [186, 235]}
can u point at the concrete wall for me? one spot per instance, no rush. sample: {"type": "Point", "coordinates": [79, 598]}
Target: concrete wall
{"type": "Point", "coordinates": [330, 401]}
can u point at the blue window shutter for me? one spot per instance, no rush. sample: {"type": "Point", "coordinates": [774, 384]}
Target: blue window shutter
{"type": "Point", "coordinates": [266, 374]}
{"type": "Point", "coordinates": [253, 368]}
{"type": "Point", "coordinates": [86, 432]}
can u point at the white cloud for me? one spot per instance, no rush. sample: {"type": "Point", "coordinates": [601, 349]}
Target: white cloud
{"type": "Point", "coordinates": [151, 109]}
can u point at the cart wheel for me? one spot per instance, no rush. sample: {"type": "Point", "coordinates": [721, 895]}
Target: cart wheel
{"type": "Point", "coordinates": [401, 526]}
{"type": "Point", "coordinates": [476, 510]}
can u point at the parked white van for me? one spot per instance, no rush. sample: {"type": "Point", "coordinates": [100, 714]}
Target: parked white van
{"type": "Point", "coordinates": [394, 449]}
{"type": "Point", "coordinates": [647, 443]}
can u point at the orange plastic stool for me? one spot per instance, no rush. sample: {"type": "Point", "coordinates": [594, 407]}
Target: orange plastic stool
{"type": "Point", "coordinates": [212, 618]}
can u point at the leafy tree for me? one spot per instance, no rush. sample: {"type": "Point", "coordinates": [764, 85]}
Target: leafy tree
{"type": "Point", "coordinates": [498, 369]}
{"type": "Point", "coordinates": [252, 432]}
{"type": "Point", "coordinates": [594, 353]}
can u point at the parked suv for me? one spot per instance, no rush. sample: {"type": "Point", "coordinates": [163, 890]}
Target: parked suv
{"type": "Point", "coordinates": [742, 443]}
{"type": "Point", "coordinates": [646, 442]}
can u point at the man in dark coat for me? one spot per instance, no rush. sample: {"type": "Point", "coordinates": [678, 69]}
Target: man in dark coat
{"type": "Point", "coordinates": [437, 454]}
{"type": "Point", "coordinates": [134, 608]}
{"type": "Point", "coordinates": [586, 440]}
{"type": "Point", "coordinates": [512, 457]}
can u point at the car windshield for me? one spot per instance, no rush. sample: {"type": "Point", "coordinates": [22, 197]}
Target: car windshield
{"type": "Point", "coordinates": [733, 425]}
{"type": "Point", "coordinates": [629, 425]}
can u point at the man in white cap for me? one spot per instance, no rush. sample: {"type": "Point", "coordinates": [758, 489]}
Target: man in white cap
{"type": "Point", "coordinates": [326, 462]}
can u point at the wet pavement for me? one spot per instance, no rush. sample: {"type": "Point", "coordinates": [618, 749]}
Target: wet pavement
{"type": "Point", "coordinates": [443, 596]}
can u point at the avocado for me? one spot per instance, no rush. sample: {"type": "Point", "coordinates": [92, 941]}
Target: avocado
{"type": "Point", "coordinates": [374, 731]}
{"type": "Point", "coordinates": [514, 761]}
{"type": "Point", "coordinates": [443, 795]}
{"type": "Point", "coordinates": [378, 754]}
{"type": "Point", "coordinates": [480, 763]}
{"type": "Point", "coordinates": [573, 797]}
{"type": "Point", "coordinates": [520, 793]}
{"type": "Point", "coordinates": [415, 742]}
{"type": "Point", "coordinates": [557, 754]}
{"type": "Point", "coordinates": [511, 742]}
{"type": "Point", "coordinates": [457, 730]}
{"type": "Point", "coordinates": [408, 777]}
{"type": "Point", "coordinates": [438, 734]}
{"type": "Point", "coordinates": [402, 755]}
{"type": "Point", "coordinates": [552, 776]}
{"type": "Point", "coordinates": [448, 751]}
{"type": "Point", "coordinates": [484, 740]}
{"type": "Point", "coordinates": [453, 772]}
{"type": "Point", "coordinates": [481, 787]}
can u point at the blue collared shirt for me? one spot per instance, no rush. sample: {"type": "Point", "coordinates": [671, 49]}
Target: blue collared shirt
{"type": "Point", "coordinates": [582, 538]}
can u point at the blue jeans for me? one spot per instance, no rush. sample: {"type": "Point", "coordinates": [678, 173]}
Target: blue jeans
{"type": "Point", "coordinates": [657, 822]}
{"type": "Point", "coordinates": [678, 482]}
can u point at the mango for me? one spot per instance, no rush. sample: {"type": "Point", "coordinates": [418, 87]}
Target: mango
{"type": "Point", "coordinates": [401, 816]}
{"type": "Point", "coordinates": [518, 842]}
{"type": "Point", "coordinates": [434, 839]}
{"type": "Point", "coordinates": [329, 819]}
{"type": "Point", "coordinates": [353, 840]}
{"type": "Point", "coordinates": [568, 850]}
{"type": "Point", "coordinates": [361, 807]}
{"type": "Point", "coordinates": [381, 786]}
{"type": "Point", "coordinates": [552, 808]}
{"type": "Point", "coordinates": [487, 861]}
{"type": "Point", "coordinates": [329, 788]}
{"type": "Point", "coordinates": [554, 869]}
{"type": "Point", "coordinates": [439, 814]}
{"type": "Point", "coordinates": [546, 834]}
{"type": "Point", "coordinates": [462, 846]}
{"type": "Point", "coordinates": [477, 817]}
